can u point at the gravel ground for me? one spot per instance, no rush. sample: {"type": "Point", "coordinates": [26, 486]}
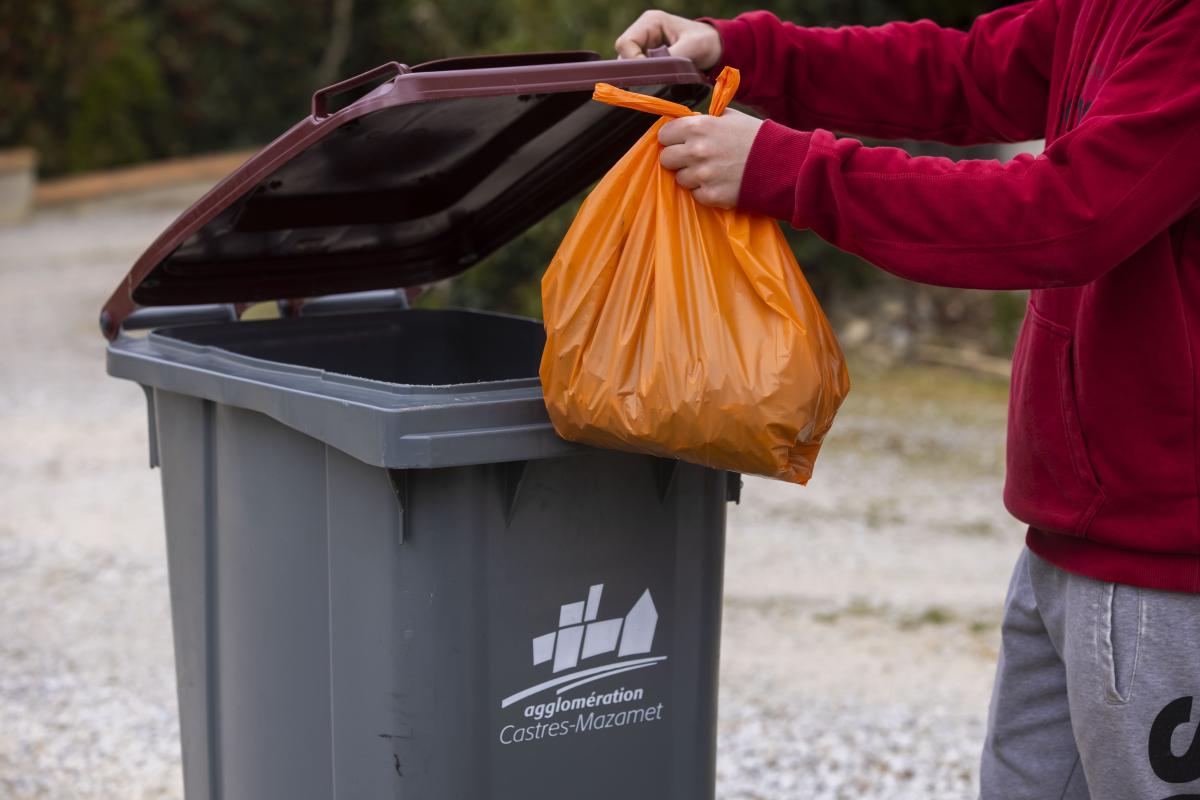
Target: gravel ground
{"type": "Point", "coordinates": [861, 618]}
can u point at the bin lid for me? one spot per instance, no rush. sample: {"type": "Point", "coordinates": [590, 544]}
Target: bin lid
{"type": "Point", "coordinates": [413, 182]}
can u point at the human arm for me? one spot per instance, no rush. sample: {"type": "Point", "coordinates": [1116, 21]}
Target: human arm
{"type": "Point", "coordinates": [1097, 194]}
{"type": "Point", "coordinates": [904, 80]}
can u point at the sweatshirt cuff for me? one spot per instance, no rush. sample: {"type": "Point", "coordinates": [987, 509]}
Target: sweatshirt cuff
{"type": "Point", "coordinates": [737, 48]}
{"type": "Point", "coordinates": [772, 170]}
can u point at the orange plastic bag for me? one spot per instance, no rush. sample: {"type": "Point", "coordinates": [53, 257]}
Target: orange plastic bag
{"type": "Point", "coordinates": [682, 330]}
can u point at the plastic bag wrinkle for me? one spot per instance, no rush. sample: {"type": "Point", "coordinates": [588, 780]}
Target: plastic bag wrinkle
{"type": "Point", "coordinates": [685, 331]}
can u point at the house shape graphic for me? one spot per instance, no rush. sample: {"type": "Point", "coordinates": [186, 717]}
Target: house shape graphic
{"type": "Point", "coordinates": [580, 635]}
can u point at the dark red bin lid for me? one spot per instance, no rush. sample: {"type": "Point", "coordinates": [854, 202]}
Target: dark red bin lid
{"type": "Point", "coordinates": [414, 182]}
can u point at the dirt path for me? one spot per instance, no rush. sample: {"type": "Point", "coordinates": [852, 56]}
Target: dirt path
{"type": "Point", "coordinates": [861, 611]}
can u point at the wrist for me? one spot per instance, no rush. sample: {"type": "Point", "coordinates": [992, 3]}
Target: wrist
{"type": "Point", "coordinates": [772, 170]}
{"type": "Point", "coordinates": [715, 48]}
{"type": "Point", "coordinates": [735, 47]}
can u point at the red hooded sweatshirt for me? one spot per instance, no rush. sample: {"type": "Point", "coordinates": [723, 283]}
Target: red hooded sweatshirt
{"type": "Point", "coordinates": [1104, 227]}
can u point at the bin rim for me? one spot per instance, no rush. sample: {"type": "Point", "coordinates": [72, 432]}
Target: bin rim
{"type": "Point", "coordinates": [170, 342]}
{"type": "Point", "coordinates": [384, 424]}
{"type": "Point", "coordinates": [313, 214]}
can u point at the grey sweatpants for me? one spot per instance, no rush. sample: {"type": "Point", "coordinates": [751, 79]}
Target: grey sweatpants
{"type": "Point", "coordinates": [1094, 692]}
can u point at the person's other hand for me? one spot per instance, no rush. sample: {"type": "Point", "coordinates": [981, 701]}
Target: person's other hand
{"type": "Point", "coordinates": [684, 37]}
{"type": "Point", "coordinates": [708, 154]}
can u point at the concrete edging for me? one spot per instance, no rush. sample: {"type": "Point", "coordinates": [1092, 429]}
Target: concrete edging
{"type": "Point", "coordinates": [18, 176]}
{"type": "Point", "coordinates": [142, 177]}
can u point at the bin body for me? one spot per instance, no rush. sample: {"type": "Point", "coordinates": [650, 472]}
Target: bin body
{"type": "Point", "coordinates": [389, 577]}
{"type": "Point", "coordinates": [385, 588]}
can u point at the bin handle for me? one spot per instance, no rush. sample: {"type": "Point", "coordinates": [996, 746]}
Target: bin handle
{"type": "Point", "coordinates": [320, 99]}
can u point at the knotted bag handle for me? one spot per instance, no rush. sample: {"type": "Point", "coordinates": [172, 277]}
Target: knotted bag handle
{"type": "Point", "coordinates": [723, 91]}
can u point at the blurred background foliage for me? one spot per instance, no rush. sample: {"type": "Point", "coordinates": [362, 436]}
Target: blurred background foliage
{"type": "Point", "coordinates": [92, 84]}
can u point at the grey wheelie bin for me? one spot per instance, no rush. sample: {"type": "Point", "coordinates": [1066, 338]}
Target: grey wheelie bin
{"type": "Point", "coordinates": [389, 578]}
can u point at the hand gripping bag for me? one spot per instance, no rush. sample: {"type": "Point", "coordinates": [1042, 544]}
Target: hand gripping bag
{"type": "Point", "coordinates": [685, 331]}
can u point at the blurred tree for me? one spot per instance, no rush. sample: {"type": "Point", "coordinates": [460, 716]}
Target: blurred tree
{"type": "Point", "coordinates": [80, 82]}
{"type": "Point", "coordinates": [341, 28]}
{"type": "Point", "coordinates": [99, 83]}
{"type": "Point", "coordinates": [239, 71]}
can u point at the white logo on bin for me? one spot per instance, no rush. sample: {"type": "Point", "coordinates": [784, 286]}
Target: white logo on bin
{"type": "Point", "coordinates": [580, 636]}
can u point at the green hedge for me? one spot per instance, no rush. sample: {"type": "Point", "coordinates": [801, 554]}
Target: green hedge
{"type": "Point", "coordinates": [100, 83]}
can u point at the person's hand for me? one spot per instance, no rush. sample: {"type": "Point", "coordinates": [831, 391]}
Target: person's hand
{"type": "Point", "coordinates": [684, 37]}
{"type": "Point", "coordinates": [708, 154]}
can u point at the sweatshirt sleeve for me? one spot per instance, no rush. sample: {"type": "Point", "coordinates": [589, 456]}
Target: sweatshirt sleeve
{"type": "Point", "coordinates": [904, 80]}
{"type": "Point", "coordinates": [1099, 193]}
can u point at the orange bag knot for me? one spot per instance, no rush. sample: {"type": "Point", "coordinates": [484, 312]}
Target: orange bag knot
{"type": "Point", "coordinates": [724, 89]}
